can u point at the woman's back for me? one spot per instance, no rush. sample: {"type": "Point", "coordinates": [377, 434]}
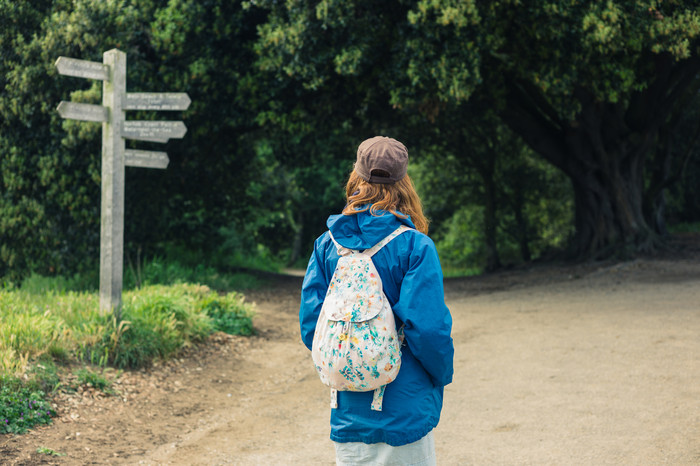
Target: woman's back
{"type": "Point", "coordinates": [380, 198]}
{"type": "Point", "coordinates": [412, 281]}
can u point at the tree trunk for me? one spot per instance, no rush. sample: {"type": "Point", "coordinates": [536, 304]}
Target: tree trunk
{"type": "Point", "coordinates": [298, 228]}
{"type": "Point", "coordinates": [522, 225]}
{"type": "Point", "coordinates": [666, 168]}
{"type": "Point", "coordinates": [493, 260]}
{"type": "Point", "coordinates": [608, 213]}
{"type": "Point", "coordinates": [602, 150]}
{"type": "Point", "coordinates": [655, 196]}
{"type": "Point", "coordinates": [486, 168]}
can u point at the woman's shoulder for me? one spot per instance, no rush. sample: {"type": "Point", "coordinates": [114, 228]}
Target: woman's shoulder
{"type": "Point", "coordinates": [419, 239]}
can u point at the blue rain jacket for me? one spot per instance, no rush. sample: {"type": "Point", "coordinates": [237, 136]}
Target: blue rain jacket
{"type": "Point", "coordinates": [412, 280]}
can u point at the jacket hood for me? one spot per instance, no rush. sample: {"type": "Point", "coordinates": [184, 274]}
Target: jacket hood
{"type": "Point", "coordinates": [363, 230]}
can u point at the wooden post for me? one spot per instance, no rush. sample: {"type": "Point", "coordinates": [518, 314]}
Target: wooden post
{"type": "Point", "coordinates": [112, 224]}
{"type": "Point", "coordinates": [115, 100]}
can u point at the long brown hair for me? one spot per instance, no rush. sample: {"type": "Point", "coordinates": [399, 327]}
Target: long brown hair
{"type": "Point", "coordinates": [400, 198]}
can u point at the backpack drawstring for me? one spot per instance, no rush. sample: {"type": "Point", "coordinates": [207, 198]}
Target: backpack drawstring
{"type": "Point", "coordinates": [378, 398]}
{"type": "Point", "coordinates": [334, 398]}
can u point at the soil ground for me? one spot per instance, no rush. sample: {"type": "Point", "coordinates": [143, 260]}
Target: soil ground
{"type": "Point", "coordinates": [584, 364]}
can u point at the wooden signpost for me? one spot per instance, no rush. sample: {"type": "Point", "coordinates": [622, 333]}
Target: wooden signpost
{"type": "Point", "coordinates": [156, 101]}
{"type": "Point", "coordinates": [115, 156]}
{"type": "Point", "coordinates": [82, 68]}
{"type": "Point", "coordinates": [146, 159]}
{"type": "Point", "coordinates": [85, 112]}
{"type": "Point", "coordinates": [154, 130]}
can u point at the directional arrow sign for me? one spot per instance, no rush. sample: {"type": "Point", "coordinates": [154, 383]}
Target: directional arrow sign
{"type": "Point", "coordinates": [82, 68]}
{"type": "Point", "coordinates": [158, 131]}
{"type": "Point", "coordinates": [84, 112]}
{"type": "Point", "coordinates": [156, 101]}
{"type": "Point", "coordinates": [146, 159]}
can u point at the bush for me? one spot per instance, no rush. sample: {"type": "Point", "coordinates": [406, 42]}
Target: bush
{"type": "Point", "coordinates": [21, 408]}
{"type": "Point", "coordinates": [229, 313]}
{"type": "Point", "coordinates": [685, 228]}
{"type": "Point", "coordinates": [158, 271]}
{"type": "Point", "coordinates": [87, 377]}
{"type": "Point", "coordinates": [158, 321]}
{"type": "Point", "coordinates": [155, 271]}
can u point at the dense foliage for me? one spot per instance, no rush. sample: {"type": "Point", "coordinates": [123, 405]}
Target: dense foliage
{"type": "Point", "coordinates": [49, 204]}
{"type": "Point", "coordinates": [590, 86]}
{"type": "Point", "coordinates": [531, 125]}
{"type": "Point", "coordinates": [22, 409]}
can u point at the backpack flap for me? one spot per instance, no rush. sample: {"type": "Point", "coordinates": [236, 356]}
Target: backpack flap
{"type": "Point", "coordinates": [355, 293]}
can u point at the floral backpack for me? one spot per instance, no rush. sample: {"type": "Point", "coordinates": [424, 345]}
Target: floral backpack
{"type": "Point", "coordinates": [356, 346]}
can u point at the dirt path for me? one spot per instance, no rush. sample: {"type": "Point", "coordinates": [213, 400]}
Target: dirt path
{"type": "Point", "coordinates": [586, 365]}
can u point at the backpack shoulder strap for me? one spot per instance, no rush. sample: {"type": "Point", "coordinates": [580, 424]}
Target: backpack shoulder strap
{"type": "Point", "coordinates": [373, 250]}
{"type": "Point", "coordinates": [342, 250]}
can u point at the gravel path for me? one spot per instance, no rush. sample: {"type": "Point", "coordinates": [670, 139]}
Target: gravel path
{"type": "Point", "coordinates": [584, 365]}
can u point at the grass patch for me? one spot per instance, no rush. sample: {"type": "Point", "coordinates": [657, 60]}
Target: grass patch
{"type": "Point", "coordinates": [48, 451]}
{"type": "Point", "coordinates": [229, 313]}
{"type": "Point", "coordinates": [22, 408]}
{"type": "Point", "coordinates": [36, 283]}
{"type": "Point", "coordinates": [43, 375]}
{"type": "Point", "coordinates": [93, 379]}
{"type": "Point", "coordinates": [685, 228]}
{"type": "Point", "coordinates": [41, 331]}
{"type": "Point", "coordinates": [155, 271]}
{"type": "Point", "coordinates": [161, 272]}
{"type": "Point", "coordinates": [158, 321]}
{"type": "Point", "coordinates": [457, 272]}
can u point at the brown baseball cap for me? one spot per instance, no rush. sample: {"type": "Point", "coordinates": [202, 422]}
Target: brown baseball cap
{"type": "Point", "coordinates": [381, 160]}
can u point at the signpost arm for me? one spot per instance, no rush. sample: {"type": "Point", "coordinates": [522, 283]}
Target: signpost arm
{"type": "Point", "coordinates": [112, 224]}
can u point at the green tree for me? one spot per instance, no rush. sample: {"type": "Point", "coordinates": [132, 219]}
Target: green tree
{"type": "Point", "coordinates": [20, 211]}
{"type": "Point", "coordinates": [588, 85]}
{"type": "Point", "coordinates": [274, 147]}
{"type": "Point", "coordinates": [491, 201]}
{"type": "Point", "coordinates": [204, 200]}
{"type": "Point", "coordinates": [675, 164]}
{"type": "Point", "coordinates": [49, 198]}
{"type": "Point", "coordinates": [250, 173]}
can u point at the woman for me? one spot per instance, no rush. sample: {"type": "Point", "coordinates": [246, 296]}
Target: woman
{"type": "Point", "coordinates": [380, 198]}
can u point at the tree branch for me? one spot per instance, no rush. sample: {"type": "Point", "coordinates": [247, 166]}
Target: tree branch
{"type": "Point", "coordinates": [534, 123]}
{"type": "Point", "coordinates": [683, 77]}
{"type": "Point", "coordinates": [677, 174]}
{"type": "Point", "coordinates": [650, 107]}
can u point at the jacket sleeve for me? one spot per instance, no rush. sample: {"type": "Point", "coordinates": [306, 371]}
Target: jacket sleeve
{"type": "Point", "coordinates": [421, 307]}
{"type": "Point", "coordinates": [313, 292]}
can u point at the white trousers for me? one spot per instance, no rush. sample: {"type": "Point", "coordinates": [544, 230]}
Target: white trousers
{"type": "Point", "coordinates": [420, 453]}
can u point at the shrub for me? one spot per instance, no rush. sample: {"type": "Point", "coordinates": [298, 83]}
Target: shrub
{"type": "Point", "coordinates": [49, 451]}
{"type": "Point", "coordinates": [157, 321]}
{"type": "Point", "coordinates": [43, 376]}
{"type": "Point", "coordinates": [230, 314]}
{"type": "Point", "coordinates": [21, 408]}
{"type": "Point", "coordinates": [158, 271]}
{"type": "Point", "coordinates": [88, 377]}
